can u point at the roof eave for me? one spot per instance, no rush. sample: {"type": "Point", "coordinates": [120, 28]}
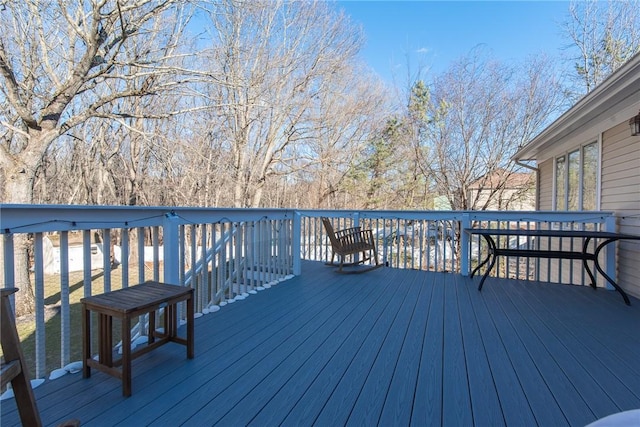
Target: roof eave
{"type": "Point", "coordinates": [586, 106]}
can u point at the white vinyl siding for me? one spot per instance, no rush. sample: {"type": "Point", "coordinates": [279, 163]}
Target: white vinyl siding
{"type": "Point", "coordinates": [621, 193]}
{"type": "Point", "coordinates": [545, 192]}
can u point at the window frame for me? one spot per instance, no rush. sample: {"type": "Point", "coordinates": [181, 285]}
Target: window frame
{"type": "Point", "coordinates": [564, 158]}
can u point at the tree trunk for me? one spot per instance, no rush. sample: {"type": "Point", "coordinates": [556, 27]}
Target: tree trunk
{"type": "Point", "coordinates": [18, 180]}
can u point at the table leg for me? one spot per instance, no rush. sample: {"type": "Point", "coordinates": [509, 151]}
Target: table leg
{"type": "Point", "coordinates": [475, 270]}
{"type": "Point", "coordinates": [86, 341]}
{"type": "Point", "coordinates": [126, 356]}
{"type": "Point", "coordinates": [625, 297]}
{"type": "Point", "coordinates": [585, 257]}
{"type": "Point", "coordinates": [169, 321]}
{"type": "Point", "coordinates": [190, 328]}
{"type": "Point", "coordinates": [105, 327]}
{"type": "Point", "coordinates": [492, 254]}
{"type": "Point", "coordinates": [151, 333]}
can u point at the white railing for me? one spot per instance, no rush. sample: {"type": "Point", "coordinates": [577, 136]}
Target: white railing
{"type": "Point", "coordinates": [228, 254]}
{"type": "Point", "coordinates": [434, 241]}
{"type": "Point", "coordinates": [224, 254]}
{"type": "Point", "coordinates": [423, 240]}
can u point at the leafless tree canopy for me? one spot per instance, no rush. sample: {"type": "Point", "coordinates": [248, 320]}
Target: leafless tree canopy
{"type": "Point", "coordinates": [602, 36]}
{"type": "Point", "coordinates": [65, 65]}
{"type": "Point", "coordinates": [468, 123]}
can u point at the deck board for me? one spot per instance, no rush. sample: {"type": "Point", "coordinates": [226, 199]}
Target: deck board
{"type": "Point", "coordinates": [347, 391]}
{"type": "Point", "coordinates": [286, 397]}
{"type": "Point", "coordinates": [569, 354]}
{"type": "Point", "coordinates": [456, 408]}
{"type": "Point", "coordinates": [516, 409]}
{"type": "Point", "coordinates": [373, 395]}
{"type": "Point", "coordinates": [561, 388]}
{"type": "Point", "coordinates": [485, 403]}
{"type": "Point", "coordinates": [389, 347]}
{"type": "Point", "coordinates": [427, 404]}
{"type": "Point", "coordinates": [405, 374]}
{"type": "Point", "coordinates": [300, 343]}
{"type": "Point", "coordinates": [545, 408]}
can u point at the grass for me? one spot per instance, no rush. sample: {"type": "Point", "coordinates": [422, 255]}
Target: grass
{"type": "Point", "coordinates": [52, 293]}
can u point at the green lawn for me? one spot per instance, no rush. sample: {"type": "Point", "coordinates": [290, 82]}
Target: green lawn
{"type": "Point", "coordinates": [26, 325]}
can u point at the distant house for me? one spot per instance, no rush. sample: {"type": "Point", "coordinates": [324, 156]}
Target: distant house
{"type": "Point", "coordinates": [588, 159]}
{"type": "Point", "coordinates": [504, 190]}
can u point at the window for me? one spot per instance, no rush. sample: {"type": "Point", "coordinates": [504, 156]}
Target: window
{"type": "Point", "coordinates": [589, 177]}
{"type": "Point", "coordinates": [576, 179]}
{"type": "Point", "coordinates": [573, 183]}
{"type": "Point", "coordinates": [560, 184]}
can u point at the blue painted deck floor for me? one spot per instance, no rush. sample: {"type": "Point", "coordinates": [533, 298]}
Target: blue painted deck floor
{"type": "Point", "coordinates": [389, 347]}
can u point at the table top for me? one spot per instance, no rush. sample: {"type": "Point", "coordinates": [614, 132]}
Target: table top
{"type": "Point", "coordinates": [5, 292]}
{"type": "Point", "coordinates": [551, 233]}
{"type": "Point", "coordinates": [138, 297]}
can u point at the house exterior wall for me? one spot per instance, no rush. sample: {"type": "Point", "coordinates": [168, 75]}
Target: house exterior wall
{"type": "Point", "coordinates": [620, 192]}
{"type": "Point", "coordinates": [545, 192]}
{"type": "Point", "coordinates": [513, 199]}
{"type": "Point", "coordinates": [601, 116]}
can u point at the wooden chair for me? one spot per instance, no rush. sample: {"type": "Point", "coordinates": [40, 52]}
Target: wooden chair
{"type": "Point", "coordinates": [14, 369]}
{"type": "Point", "coordinates": [352, 242]}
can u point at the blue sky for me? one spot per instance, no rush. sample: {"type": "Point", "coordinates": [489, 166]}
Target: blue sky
{"type": "Point", "coordinates": [438, 32]}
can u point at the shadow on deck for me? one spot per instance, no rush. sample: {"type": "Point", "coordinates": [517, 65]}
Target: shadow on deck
{"type": "Point", "coordinates": [389, 347]}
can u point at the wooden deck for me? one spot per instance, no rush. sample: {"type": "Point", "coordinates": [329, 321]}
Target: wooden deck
{"type": "Point", "coordinates": [389, 347]}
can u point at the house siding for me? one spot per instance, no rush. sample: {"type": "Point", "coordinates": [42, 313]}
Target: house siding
{"type": "Point", "coordinates": [545, 193]}
{"type": "Point", "coordinates": [603, 115]}
{"type": "Point", "coordinates": [620, 191]}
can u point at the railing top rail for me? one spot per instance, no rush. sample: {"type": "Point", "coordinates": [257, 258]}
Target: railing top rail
{"type": "Point", "coordinates": [43, 218]}
{"type": "Point", "coordinates": [550, 216]}
{"type": "Point", "coordinates": [535, 216]}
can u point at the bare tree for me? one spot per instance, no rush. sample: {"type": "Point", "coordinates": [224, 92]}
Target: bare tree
{"type": "Point", "coordinates": [346, 117]}
{"type": "Point", "coordinates": [62, 63]}
{"type": "Point", "coordinates": [270, 61]}
{"type": "Point", "coordinates": [603, 35]}
{"type": "Point", "coordinates": [476, 116]}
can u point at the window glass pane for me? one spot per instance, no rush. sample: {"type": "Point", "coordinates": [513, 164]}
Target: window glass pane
{"type": "Point", "coordinates": [560, 183]}
{"type": "Point", "coordinates": [589, 176]}
{"type": "Point", "coordinates": [573, 187]}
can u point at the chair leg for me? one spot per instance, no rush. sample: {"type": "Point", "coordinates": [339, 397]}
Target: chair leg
{"type": "Point", "coordinates": [20, 380]}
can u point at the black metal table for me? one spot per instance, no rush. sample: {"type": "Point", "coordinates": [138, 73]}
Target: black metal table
{"type": "Point", "coordinates": [604, 238]}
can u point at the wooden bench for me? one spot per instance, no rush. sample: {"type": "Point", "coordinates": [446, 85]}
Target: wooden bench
{"type": "Point", "coordinates": [125, 304]}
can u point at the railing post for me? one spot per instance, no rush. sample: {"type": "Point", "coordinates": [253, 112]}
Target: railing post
{"type": "Point", "coordinates": [356, 223]}
{"type": "Point", "coordinates": [40, 339]}
{"type": "Point", "coordinates": [610, 254]}
{"type": "Point", "coordinates": [171, 248]}
{"type": "Point", "coordinates": [296, 247]}
{"type": "Point", "coordinates": [8, 262]}
{"type": "Point", "coordinates": [356, 219]}
{"type": "Point", "coordinates": [465, 253]}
